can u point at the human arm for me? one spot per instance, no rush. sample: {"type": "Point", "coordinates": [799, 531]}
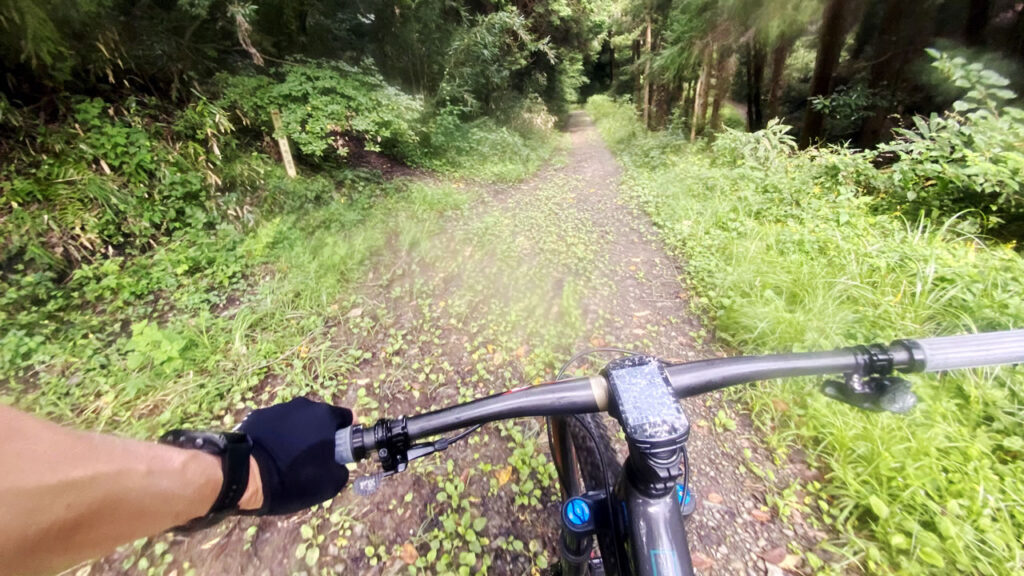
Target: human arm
{"type": "Point", "coordinates": [66, 496]}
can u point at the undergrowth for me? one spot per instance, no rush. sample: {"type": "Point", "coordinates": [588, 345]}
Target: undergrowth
{"type": "Point", "coordinates": [786, 251]}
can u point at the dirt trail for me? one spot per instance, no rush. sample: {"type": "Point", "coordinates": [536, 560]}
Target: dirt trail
{"type": "Point", "coordinates": [518, 280]}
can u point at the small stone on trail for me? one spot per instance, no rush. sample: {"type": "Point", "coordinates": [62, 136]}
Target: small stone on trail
{"type": "Point", "coordinates": [715, 498]}
{"type": "Point", "coordinates": [760, 516]}
{"type": "Point", "coordinates": [701, 562]}
{"type": "Point", "coordinates": [774, 556]}
{"type": "Point", "coordinates": [355, 312]}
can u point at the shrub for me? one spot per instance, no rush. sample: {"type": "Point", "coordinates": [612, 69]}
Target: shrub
{"type": "Point", "coordinates": [325, 105]}
{"type": "Point", "coordinates": [968, 159]}
{"type": "Point", "coordinates": [103, 181]}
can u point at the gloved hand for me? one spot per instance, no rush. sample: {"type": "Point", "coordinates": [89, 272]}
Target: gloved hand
{"type": "Point", "coordinates": [293, 445]}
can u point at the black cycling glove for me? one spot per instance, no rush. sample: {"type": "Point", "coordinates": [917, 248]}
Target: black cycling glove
{"type": "Point", "coordinates": [293, 444]}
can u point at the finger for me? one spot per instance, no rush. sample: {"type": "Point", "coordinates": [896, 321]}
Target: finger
{"type": "Point", "coordinates": [343, 416]}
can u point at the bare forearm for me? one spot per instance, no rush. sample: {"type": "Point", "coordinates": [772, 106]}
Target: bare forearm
{"type": "Point", "coordinates": [66, 496]}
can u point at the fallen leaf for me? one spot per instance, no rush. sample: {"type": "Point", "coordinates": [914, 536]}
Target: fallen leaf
{"type": "Point", "coordinates": [791, 562]}
{"type": "Point", "coordinates": [498, 358]}
{"type": "Point", "coordinates": [774, 556]}
{"type": "Point", "coordinates": [409, 554]}
{"type": "Point", "coordinates": [521, 352]}
{"type": "Point", "coordinates": [211, 543]}
{"type": "Point", "coordinates": [780, 405]}
{"type": "Point", "coordinates": [701, 562]}
{"type": "Point", "coordinates": [355, 312]}
{"type": "Point", "coordinates": [760, 516]}
{"type": "Point", "coordinates": [503, 475]}
{"type": "Point", "coordinates": [715, 498]}
{"type": "Point", "coordinates": [597, 342]}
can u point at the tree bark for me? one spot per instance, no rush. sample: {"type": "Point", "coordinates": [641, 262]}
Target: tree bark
{"type": "Point", "coordinates": [904, 32]}
{"type": "Point", "coordinates": [777, 82]}
{"type": "Point", "coordinates": [756, 58]}
{"type": "Point", "coordinates": [647, 75]}
{"type": "Point", "coordinates": [977, 20]}
{"type": "Point", "coordinates": [700, 98]}
{"type": "Point", "coordinates": [611, 63]}
{"type": "Point", "coordinates": [724, 73]}
{"type": "Point", "coordinates": [830, 45]}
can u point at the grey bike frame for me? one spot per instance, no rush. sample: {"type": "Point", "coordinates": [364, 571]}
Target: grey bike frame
{"type": "Point", "coordinates": [641, 536]}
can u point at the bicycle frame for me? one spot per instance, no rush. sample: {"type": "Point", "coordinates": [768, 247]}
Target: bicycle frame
{"type": "Point", "coordinates": [643, 536]}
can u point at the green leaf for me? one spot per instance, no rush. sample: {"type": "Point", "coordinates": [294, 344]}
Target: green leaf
{"type": "Point", "coordinates": [307, 531]}
{"type": "Point", "coordinates": [878, 507]}
{"type": "Point", "coordinates": [479, 524]}
{"type": "Point", "coordinates": [932, 557]}
{"type": "Point", "coordinates": [467, 558]}
{"type": "Point", "coordinates": [312, 555]}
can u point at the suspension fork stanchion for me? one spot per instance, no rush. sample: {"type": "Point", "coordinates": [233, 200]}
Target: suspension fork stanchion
{"type": "Point", "coordinates": [563, 455]}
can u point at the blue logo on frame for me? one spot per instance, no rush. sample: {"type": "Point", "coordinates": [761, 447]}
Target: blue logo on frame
{"type": "Point", "coordinates": [663, 563]}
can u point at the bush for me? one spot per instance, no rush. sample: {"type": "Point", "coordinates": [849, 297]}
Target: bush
{"type": "Point", "coordinates": [104, 181]}
{"type": "Point", "coordinates": [968, 159]}
{"type": "Point", "coordinates": [325, 106]}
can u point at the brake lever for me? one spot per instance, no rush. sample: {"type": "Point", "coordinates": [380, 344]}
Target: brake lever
{"type": "Point", "coordinates": [367, 485]}
{"type": "Point", "coordinates": [874, 393]}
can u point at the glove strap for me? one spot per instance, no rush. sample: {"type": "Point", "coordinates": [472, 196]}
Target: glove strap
{"type": "Point", "coordinates": [234, 449]}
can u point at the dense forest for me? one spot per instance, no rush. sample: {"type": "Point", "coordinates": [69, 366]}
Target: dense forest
{"type": "Point", "coordinates": [194, 190]}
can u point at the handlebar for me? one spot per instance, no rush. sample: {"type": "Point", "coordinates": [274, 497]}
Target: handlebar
{"type": "Point", "coordinates": [972, 350]}
{"type": "Point", "coordinates": [591, 394]}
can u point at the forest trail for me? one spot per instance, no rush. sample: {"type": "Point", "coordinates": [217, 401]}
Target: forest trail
{"type": "Point", "coordinates": [521, 278]}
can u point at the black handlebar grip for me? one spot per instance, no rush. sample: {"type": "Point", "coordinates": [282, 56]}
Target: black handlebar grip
{"type": "Point", "coordinates": [972, 350]}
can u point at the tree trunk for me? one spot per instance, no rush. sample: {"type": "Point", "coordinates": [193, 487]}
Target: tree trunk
{"type": "Point", "coordinates": [830, 45]}
{"type": "Point", "coordinates": [977, 20]}
{"type": "Point", "coordinates": [778, 80]}
{"type": "Point", "coordinates": [686, 102]}
{"type": "Point", "coordinates": [870, 21]}
{"type": "Point", "coordinates": [700, 98]}
{"type": "Point", "coordinates": [724, 73]}
{"type": "Point", "coordinates": [905, 30]}
{"type": "Point", "coordinates": [647, 75]}
{"type": "Point", "coordinates": [611, 63]}
{"type": "Point", "coordinates": [756, 58]}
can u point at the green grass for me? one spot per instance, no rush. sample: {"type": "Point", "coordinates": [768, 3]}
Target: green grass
{"type": "Point", "coordinates": [786, 253]}
{"type": "Point", "coordinates": [485, 149]}
{"type": "Point", "coordinates": [196, 357]}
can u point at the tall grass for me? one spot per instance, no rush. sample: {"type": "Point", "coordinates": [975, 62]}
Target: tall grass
{"type": "Point", "coordinates": [786, 253]}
